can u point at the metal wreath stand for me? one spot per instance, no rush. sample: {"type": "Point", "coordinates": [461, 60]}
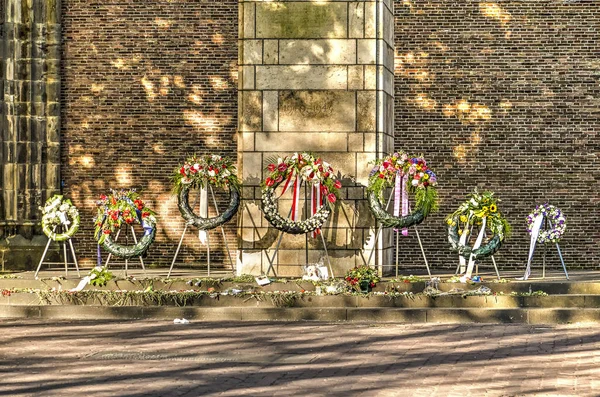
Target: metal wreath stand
{"type": "Point", "coordinates": [271, 260]}
{"type": "Point", "coordinates": [398, 240]}
{"type": "Point", "coordinates": [199, 202]}
{"type": "Point", "coordinates": [127, 241]}
{"type": "Point", "coordinates": [64, 244]}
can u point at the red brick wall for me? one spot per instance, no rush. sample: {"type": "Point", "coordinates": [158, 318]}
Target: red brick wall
{"type": "Point", "coordinates": [499, 95]}
{"type": "Point", "coordinates": [145, 83]}
{"type": "Point", "coordinates": [504, 96]}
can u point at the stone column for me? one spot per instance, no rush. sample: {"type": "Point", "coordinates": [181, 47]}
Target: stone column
{"type": "Point", "coordinates": [314, 76]}
{"type": "Point", "coordinates": [30, 155]}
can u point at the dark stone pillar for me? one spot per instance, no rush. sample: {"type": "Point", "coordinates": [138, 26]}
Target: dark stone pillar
{"type": "Point", "coordinates": [29, 127]}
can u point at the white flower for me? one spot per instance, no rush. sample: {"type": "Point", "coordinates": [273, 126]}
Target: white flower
{"type": "Point", "coordinates": [211, 173]}
{"type": "Point", "coordinates": [415, 182]}
{"type": "Point", "coordinates": [196, 166]}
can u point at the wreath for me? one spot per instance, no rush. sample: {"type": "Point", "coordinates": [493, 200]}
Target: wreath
{"type": "Point", "coordinates": [306, 167]}
{"type": "Point", "coordinates": [421, 182]}
{"type": "Point", "coordinates": [123, 206]}
{"type": "Point", "coordinates": [201, 171]}
{"type": "Point", "coordinates": [56, 212]}
{"type": "Point", "coordinates": [472, 212]}
{"type": "Point", "coordinates": [557, 222]}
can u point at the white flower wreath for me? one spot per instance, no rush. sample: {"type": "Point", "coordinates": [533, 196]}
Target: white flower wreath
{"type": "Point", "coordinates": [556, 219]}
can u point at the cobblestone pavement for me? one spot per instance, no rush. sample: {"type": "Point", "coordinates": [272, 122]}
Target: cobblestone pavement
{"type": "Point", "coordinates": [150, 358]}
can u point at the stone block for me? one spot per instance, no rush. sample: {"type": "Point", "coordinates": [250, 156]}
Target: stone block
{"type": "Point", "coordinates": [370, 141]}
{"type": "Point", "coordinates": [365, 109]}
{"type": "Point", "coordinates": [194, 313]}
{"type": "Point", "coordinates": [247, 141]}
{"type": "Point", "coordinates": [270, 111]}
{"type": "Point", "coordinates": [371, 315]}
{"type": "Point", "coordinates": [314, 52]}
{"type": "Point", "coordinates": [252, 52]}
{"type": "Point", "coordinates": [366, 51]}
{"type": "Point", "coordinates": [91, 312]}
{"type": "Point", "coordinates": [355, 77]}
{"type": "Point", "coordinates": [355, 142]}
{"type": "Point", "coordinates": [271, 52]}
{"type": "Point", "coordinates": [251, 165]}
{"type": "Point", "coordinates": [317, 111]}
{"type": "Point", "coordinates": [301, 20]}
{"type": "Point", "coordinates": [370, 19]}
{"type": "Point", "coordinates": [9, 311]}
{"type": "Point", "coordinates": [362, 173]}
{"type": "Point", "coordinates": [247, 78]}
{"type": "Point", "coordinates": [249, 28]}
{"type": "Point", "coordinates": [294, 314]}
{"type": "Point", "coordinates": [301, 77]}
{"type": "Point", "coordinates": [250, 262]}
{"type": "Point", "coordinates": [356, 19]}
{"type": "Point", "coordinates": [251, 117]}
{"type": "Point", "coordinates": [443, 315]}
{"type": "Point", "coordinates": [310, 141]}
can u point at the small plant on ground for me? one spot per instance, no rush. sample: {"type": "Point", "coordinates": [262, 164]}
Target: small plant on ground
{"type": "Point", "coordinates": [362, 277]}
{"type": "Point", "coordinates": [100, 276]}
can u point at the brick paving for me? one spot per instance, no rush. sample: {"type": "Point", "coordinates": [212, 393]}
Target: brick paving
{"type": "Point", "coordinates": [150, 358]}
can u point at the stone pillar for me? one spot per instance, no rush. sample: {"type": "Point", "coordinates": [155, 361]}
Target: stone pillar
{"type": "Point", "coordinates": [314, 76]}
{"type": "Point", "coordinates": [30, 155]}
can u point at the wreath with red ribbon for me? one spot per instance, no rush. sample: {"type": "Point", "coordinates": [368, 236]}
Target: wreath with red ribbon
{"type": "Point", "coordinates": [292, 171]}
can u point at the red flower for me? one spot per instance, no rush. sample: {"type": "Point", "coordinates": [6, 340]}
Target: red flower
{"type": "Point", "coordinates": [371, 284]}
{"type": "Point", "coordinates": [279, 178]}
{"type": "Point", "coordinates": [324, 190]}
{"type": "Point", "coordinates": [271, 167]}
{"type": "Point", "coordinates": [224, 166]}
{"type": "Point", "coordinates": [106, 231]}
{"type": "Point", "coordinates": [312, 175]}
{"type": "Point", "coordinates": [282, 167]}
{"type": "Point", "coordinates": [337, 184]}
{"type": "Point", "coordinates": [326, 175]}
{"type": "Point", "coordinates": [182, 170]}
{"type": "Point", "coordinates": [128, 220]}
{"type": "Point", "coordinates": [320, 168]}
{"type": "Point", "coordinates": [103, 197]}
{"type": "Point", "coordinates": [145, 214]}
{"type": "Point", "coordinates": [193, 170]}
{"type": "Point", "coordinates": [382, 175]}
{"type": "Point", "coordinates": [331, 197]}
{"type": "Point", "coordinates": [269, 182]}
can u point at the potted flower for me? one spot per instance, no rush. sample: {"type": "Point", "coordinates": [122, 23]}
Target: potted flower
{"type": "Point", "coordinates": [362, 278]}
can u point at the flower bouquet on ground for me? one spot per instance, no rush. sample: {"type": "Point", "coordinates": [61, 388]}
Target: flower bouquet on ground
{"type": "Point", "coordinates": [362, 278]}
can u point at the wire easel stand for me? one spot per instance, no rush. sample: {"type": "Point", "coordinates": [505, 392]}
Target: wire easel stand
{"type": "Point", "coordinates": [398, 242]}
{"type": "Point", "coordinates": [530, 259]}
{"type": "Point", "coordinates": [207, 238]}
{"type": "Point", "coordinates": [64, 244]}
{"type": "Point", "coordinates": [127, 240]}
{"type": "Point", "coordinates": [460, 268]}
{"type": "Point", "coordinates": [271, 260]}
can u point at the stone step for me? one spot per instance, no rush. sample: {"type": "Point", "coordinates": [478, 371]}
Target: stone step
{"type": "Point", "coordinates": [550, 287]}
{"type": "Point", "coordinates": [298, 301]}
{"type": "Point", "coordinates": [360, 314]}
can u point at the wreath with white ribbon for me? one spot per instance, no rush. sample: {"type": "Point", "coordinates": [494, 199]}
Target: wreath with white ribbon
{"type": "Point", "coordinates": [292, 171]}
{"type": "Point", "coordinates": [123, 207]}
{"type": "Point", "coordinates": [406, 174]}
{"type": "Point", "coordinates": [59, 212]}
{"type": "Point", "coordinates": [481, 210]}
{"type": "Point", "coordinates": [199, 172]}
{"type": "Point", "coordinates": [556, 219]}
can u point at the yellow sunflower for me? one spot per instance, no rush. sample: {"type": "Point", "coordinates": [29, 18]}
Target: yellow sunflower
{"type": "Point", "coordinates": [493, 208]}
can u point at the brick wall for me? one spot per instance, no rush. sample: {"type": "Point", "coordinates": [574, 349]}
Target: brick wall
{"type": "Point", "coordinates": [504, 96]}
{"type": "Point", "coordinates": [144, 83]}
{"type": "Point", "coordinates": [499, 95]}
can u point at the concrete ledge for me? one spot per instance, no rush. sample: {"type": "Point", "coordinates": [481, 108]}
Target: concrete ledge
{"type": "Point", "coordinates": [476, 316]}
{"type": "Point", "coordinates": [387, 315]}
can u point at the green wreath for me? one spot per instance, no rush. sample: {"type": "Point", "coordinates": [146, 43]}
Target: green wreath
{"type": "Point", "coordinates": [200, 171]}
{"type": "Point", "coordinates": [123, 207]}
{"type": "Point", "coordinates": [309, 168]}
{"type": "Point", "coordinates": [421, 181]}
{"type": "Point", "coordinates": [472, 212]}
{"type": "Point", "coordinates": [59, 212]}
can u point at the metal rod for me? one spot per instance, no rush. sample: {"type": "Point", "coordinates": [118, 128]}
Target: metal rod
{"type": "Point", "coordinates": [66, 258]}
{"type": "Point", "coordinates": [109, 254]}
{"type": "Point", "coordinates": [397, 245]}
{"type": "Point", "coordinates": [562, 261]}
{"type": "Point", "coordinates": [495, 267]}
{"type": "Point", "coordinates": [422, 251]}
{"type": "Point", "coordinates": [126, 243]}
{"type": "Point", "coordinates": [74, 257]}
{"type": "Point", "coordinates": [544, 252]}
{"type": "Point", "coordinates": [177, 250]}
{"type": "Point", "coordinates": [208, 252]}
{"type": "Point", "coordinates": [222, 230]}
{"type": "Point", "coordinates": [379, 231]}
{"type": "Point", "coordinates": [182, 236]}
{"type": "Point", "coordinates": [327, 255]}
{"type": "Point", "coordinates": [136, 241]}
{"type": "Point", "coordinates": [44, 254]}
